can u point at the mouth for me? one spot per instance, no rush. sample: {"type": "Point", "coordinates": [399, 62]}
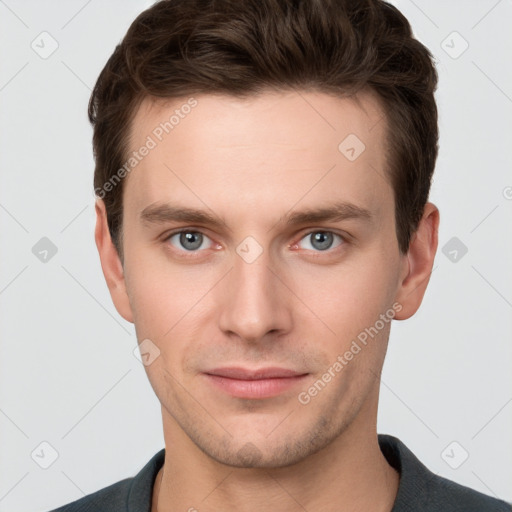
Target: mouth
{"type": "Point", "coordinates": [254, 384]}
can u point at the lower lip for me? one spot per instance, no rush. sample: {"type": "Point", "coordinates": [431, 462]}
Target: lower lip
{"type": "Point", "coordinates": [255, 389]}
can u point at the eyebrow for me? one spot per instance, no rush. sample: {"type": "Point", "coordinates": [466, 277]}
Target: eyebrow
{"type": "Point", "coordinates": [160, 213]}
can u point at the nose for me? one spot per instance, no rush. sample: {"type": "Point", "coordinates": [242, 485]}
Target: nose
{"type": "Point", "coordinates": [256, 304]}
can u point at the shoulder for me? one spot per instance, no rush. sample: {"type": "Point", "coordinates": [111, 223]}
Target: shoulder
{"type": "Point", "coordinates": [130, 494]}
{"type": "Point", "coordinates": [422, 490]}
{"type": "Point", "coordinates": [447, 495]}
{"type": "Point", "coordinates": [111, 499]}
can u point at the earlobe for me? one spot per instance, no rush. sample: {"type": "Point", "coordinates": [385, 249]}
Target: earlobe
{"type": "Point", "coordinates": [111, 264]}
{"type": "Point", "coordinates": [418, 264]}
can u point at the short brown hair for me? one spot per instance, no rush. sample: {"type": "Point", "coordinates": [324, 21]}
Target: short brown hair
{"type": "Point", "coordinates": [243, 47]}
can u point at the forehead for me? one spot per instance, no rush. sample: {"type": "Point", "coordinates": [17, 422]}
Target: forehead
{"type": "Point", "coordinates": [307, 116]}
{"type": "Point", "coordinates": [265, 152]}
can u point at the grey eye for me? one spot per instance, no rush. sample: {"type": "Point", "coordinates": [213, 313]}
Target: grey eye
{"type": "Point", "coordinates": [321, 240]}
{"type": "Point", "coordinates": [189, 240]}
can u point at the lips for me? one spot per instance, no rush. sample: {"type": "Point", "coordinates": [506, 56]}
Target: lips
{"type": "Point", "coordinates": [254, 384]}
{"type": "Point", "coordinates": [262, 373]}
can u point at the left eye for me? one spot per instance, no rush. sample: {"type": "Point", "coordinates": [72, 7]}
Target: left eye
{"type": "Point", "coordinates": [321, 240]}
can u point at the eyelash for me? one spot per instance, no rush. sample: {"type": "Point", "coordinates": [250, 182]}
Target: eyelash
{"type": "Point", "coordinates": [316, 254]}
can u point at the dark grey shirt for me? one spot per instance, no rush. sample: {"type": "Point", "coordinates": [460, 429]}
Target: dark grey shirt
{"type": "Point", "coordinates": [420, 490]}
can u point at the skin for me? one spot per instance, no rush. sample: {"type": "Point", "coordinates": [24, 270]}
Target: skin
{"type": "Point", "coordinates": [251, 162]}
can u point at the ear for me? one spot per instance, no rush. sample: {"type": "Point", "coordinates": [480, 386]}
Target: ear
{"type": "Point", "coordinates": [111, 264]}
{"type": "Point", "coordinates": [417, 263]}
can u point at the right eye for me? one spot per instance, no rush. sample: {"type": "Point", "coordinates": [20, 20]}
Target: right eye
{"type": "Point", "coordinates": [187, 240]}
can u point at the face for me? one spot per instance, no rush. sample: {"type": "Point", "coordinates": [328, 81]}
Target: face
{"type": "Point", "coordinates": [254, 296]}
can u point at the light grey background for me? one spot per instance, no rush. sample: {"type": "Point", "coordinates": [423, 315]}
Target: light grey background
{"type": "Point", "coordinates": [68, 376]}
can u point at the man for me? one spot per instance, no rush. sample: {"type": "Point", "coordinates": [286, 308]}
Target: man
{"type": "Point", "coordinates": [262, 172]}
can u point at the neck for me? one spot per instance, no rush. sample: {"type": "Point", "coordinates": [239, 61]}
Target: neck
{"type": "Point", "coordinates": [349, 474]}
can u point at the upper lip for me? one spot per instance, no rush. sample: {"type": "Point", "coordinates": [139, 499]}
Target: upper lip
{"type": "Point", "coordinates": [233, 372]}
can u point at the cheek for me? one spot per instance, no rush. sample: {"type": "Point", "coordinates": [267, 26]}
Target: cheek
{"type": "Point", "coordinates": [167, 302]}
{"type": "Point", "coordinates": [348, 297]}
